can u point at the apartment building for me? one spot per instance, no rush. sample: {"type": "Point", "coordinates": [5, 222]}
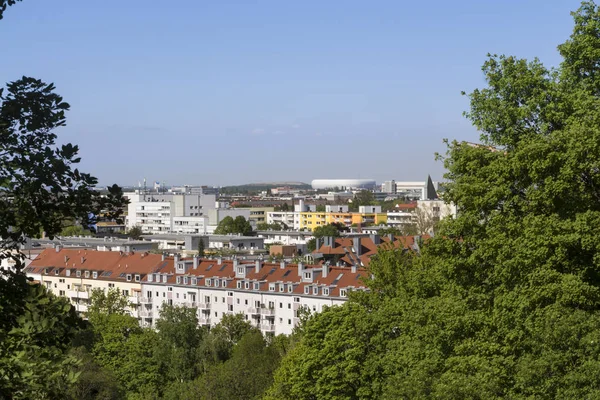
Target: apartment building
{"type": "Point", "coordinates": [157, 212]}
{"type": "Point", "coordinates": [269, 295]}
{"type": "Point", "coordinates": [366, 215]}
{"type": "Point", "coordinates": [283, 218]}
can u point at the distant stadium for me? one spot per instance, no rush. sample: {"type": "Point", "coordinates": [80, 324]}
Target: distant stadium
{"type": "Point", "coordinates": [343, 183]}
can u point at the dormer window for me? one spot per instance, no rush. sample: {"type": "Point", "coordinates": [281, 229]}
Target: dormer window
{"type": "Point", "coordinates": [256, 286]}
{"type": "Point", "coordinates": [247, 285]}
{"type": "Point", "coordinates": [316, 290]}
{"type": "Point", "coordinates": [194, 281]}
{"type": "Point", "coordinates": [306, 289]}
{"type": "Point", "coordinates": [240, 270]}
{"type": "Point", "coordinates": [128, 277]}
{"type": "Point", "coordinates": [77, 273]}
{"type": "Point", "coordinates": [87, 274]}
{"type": "Point", "coordinates": [224, 283]}
{"type": "Point", "coordinates": [307, 275]}
{"type": "Point", "coordinates": [208, 282]}
{"type": "Point", "coordinates": [95, 275]}
{"type": "Point", "coordinates": [271, 287]}
{"type": "Point", "coordinates": [325, 291]}
{"type": "Point", "coordinates": [239, 284]}
{"type": "Point", "coordinates": [178, 280]}
{"type": "Point", "coordinates": [185, 280]}
{"type": "Point", "coordinates": [290, 288]}
{"type": "Point", "coordinates": [68, 272]}
{"type": "Point", "coordinates": [46, 271]}
{"type": "Point", "coordinates": [343, 293]}
{"type": "Point", "coordinates": [137, 277]}
{"type": "Point", "coordinates": [217, 283]}
{"type": "Point", "coordinates": [56, 272]}
{"type": "Point", "coordinates": [164, 279]}
{"type": "Point", "coordinates": [281, 287]}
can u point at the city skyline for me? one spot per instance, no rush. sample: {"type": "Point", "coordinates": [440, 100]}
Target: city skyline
{"type": "Point", "coordinates": [233, 93]}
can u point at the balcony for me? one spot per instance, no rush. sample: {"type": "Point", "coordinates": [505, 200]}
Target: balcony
{"type": "Point", "coordinates": [78, 294]}
{"type": "Point", "coordinates": [255, 311]}
{"type": "Point", "coordinates": [204, 306]}
{"type": "Point", "coordinates": [267, 311]}
{"type": "Point", "coordinates": [204, 321]}
{"type": "Point", "coordinates": [267, 327]}
{"type": "Point", "coordinates": [145, 300]}
{"type": "Point", "coordinates": [146, 313]}
{"type": "Point", "coordinates": [134, 300]}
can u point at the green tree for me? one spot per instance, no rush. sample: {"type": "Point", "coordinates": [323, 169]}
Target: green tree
{"type": "Point", "coordinates": [75, 230]}
{"type": "Point", "coordinates": [229, 225]}
{"type": "Point", "coordinates": [263, 226]}
{"type": "Point", "coordinates": [135, 233]}
{"type": "Point", "coordinates": [179, 337]}
{"type": "Point", "coordinates": [362, 198]}
{"type": "Point", "coordinates": [218, 345]}
{"type": "Point", "coordinates": [505, 301]}
{"type": "Point", "coordinates": [201, 252]}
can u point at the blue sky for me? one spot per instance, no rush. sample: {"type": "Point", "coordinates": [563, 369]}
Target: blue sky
{"type": "Point", "coordinates": [230, 92]}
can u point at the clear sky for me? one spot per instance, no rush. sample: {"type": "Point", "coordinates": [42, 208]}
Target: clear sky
{"type": "Point", "coordinates": [231, 92]}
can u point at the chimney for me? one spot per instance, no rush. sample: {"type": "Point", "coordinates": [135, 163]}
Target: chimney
{"type": "Point", "coordinates": [282, 265]}
{"type": "Point", "coordinates": [318, 243]}
{"type": "Point", "coordinates": [353, 270]}
{"type": "Point", "coordinates": [58, 248]}
{"type": "Point", "coordinates": [163, 257]}
{"type": "Point", "coordinates": [235, 263]}
{"type": "Point", "coordinates": [82, 260]}
{"type": "Point", "coordinates": [127, 249]}
{"type": "Point", "coordinates": [196, 259]}
{"type": "Point", "coordinates": [357, 246]}
{"type": "Point", "coordinates": [325, 271]}
{"type": "Point", "coordinates": [300, 269]}
{"type": "Point", "coordinates": [66, 259]}
{"type": "Point", "coordinates": [175, 258]}
{"type": "Point", "coordinates": [258, 266]}
{"type": "Point", "coordinates": [391, 237]}
{"type": "Point", "coordinates": [219, 261]}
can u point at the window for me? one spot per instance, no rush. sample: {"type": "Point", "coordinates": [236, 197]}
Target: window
{"type": "Point", "coordinates": [280, 305]}
{"type": "Point", "coordinates": [246, 302]}
{"type": "Point", "coordinates": [289, 321]}
{"type": "Point", "coordinates": [184, 296]}
{"type": "Point", "coordinates": [325, 291]}
{"type": "Point", "coordinates": [55, 286]}
{"type": "Point", "coordinates": [56, 272]}
{"type": "Point", "coordinates": [207, 282]}
{"type": "Point", "coordinates": [111, 285]}
{"type": "Point", "coordinates": [289, 306]}
{"type": "Point", "coordinates": [156, 294]}
{"type": "Point", "coordinates": [61, 292]}
{"type": "Point", "coordinates": [194, 281]}
{"type": "Point", "coordinates": [61, 281]}
{"type": "Point", "coordinates": [170, 301]}
{"type": "Point", "coordinates": [77, 273]}
{"type": "Point", "coordinates": [281, 287]}
{"type": "Point", "coordinates": [290, 288]}
{"type": "Point", "coordinates": [128, 277]}
{"type": "Point", "coordinates": [178, 280]}
{"type": "Point", "coordinates": [271, 305]}
{"type": "Point", "coordinates": [223, 299]}
{"type": "Point", "coordinates": [257, 304]}
{"type": "Point", "coordinates": [315, 290]}
{"type": "Point", "coordinates": [256, 286]}
{"type": "Point", "coordinates": [239, 284]}
{"type": "Point", "coordinates": [224, 283]}
{"type": "Point", "coordinates": [230, 307]}
{"type": "Point", "coordinates": [307, 275]}
{"type": "Point", "coordinates": [306, 289]}
{"type": "Point", "coordinates": [230, 294]}
{"type": "Point", "coordinates": [125, 292]}
{"type": "Point", "coordinates": [297, 299]}
{"type": "Point", "coordinates": [170, 288]}
{"type": "Point", "coordinates": [95, 275]}
{"type": "Point", "coordinates": [343, 293]}
{"type": "Point", "coordinates": [87, 274]}
{"type": "Point", "coordinates": [216, 314]}
{"type": "Point", "coordinates": [238, 301]}
{"type": "Point", "coordinates": [68, 286]}
{"type": "Point", "coordinates": [149, 294]}
{"type": "Point", "coordinates": [216, 299]}
{"type": "Point", "coordinates": [216, 283]}
{"type": "Point", "coordinates": [177, 295]}
{"type": "Point", "coordinates": [137, 278]}
{"type": "Point", "coordinates": [271, 287]}
{"type": "Point", "coordinates": [247, 285]}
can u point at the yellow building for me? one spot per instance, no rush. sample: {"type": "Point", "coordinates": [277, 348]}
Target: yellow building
{"type": "Point", "coordinates": [259, 214]}
{"type": "Point", "coordinates": [368, 215]}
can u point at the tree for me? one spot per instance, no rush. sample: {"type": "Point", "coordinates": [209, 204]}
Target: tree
{"type": "Point", "coordinates": [36, 330]}
{"type": "Point", "coordinates": [201, 248]}
{"type": "Point", "coordinates": [228, 225]}
{"type": "Point", "coordinates": [179, 337]}
{"type": "Point", "coordinates": [75, 230]}
{"type": "Point", "coordinates": [332, 230]}
{"type": "Point", "coordinates": [505, 301]}
{"type": "Point", "coordinates": [424, 221]}
{"type": "Point", "coordinates": [263, 226]}
{"type": "Point", "coordinates": [362, 198]}
{"type": "Point", "coordinates": [135, 232]}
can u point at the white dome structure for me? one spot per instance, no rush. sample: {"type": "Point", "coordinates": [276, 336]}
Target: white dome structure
{"type": "Point", "coordinates": [343, 183]}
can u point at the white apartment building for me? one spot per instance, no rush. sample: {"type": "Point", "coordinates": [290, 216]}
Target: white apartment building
{"type": "Point", "coordinates": [268, 295]}
{"type": "Point", "coordinates": [157, 212]}
{"type": "Point", "coordinates": [286, 237]}
{"type": "Point", "coordinates": [283, 218]}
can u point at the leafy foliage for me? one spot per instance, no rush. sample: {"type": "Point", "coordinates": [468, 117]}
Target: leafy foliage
{"type": "Point", "coordinates": [229, 225]}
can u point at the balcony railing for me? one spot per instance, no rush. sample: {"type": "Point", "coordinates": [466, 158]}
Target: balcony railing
{"type": "Point", "coordinates": [268, 327]}
{"type": "Point", "coordinates": [134, 300]}
{"type": "Point", "coordinates": [204, 306]}
{"type": "Point", "coordinates": [204, 321]}
{"type": "Point", "coordinates": [267, 311]}
{"type": "Point", "coordinates": [78, 294]}
{"type": "Point", "coordinates": [146, 313]}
